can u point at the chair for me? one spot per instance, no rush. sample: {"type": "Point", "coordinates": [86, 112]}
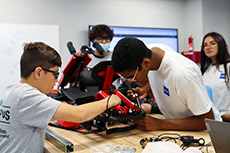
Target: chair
{"type": "Point", "coordinates": [209, 90]}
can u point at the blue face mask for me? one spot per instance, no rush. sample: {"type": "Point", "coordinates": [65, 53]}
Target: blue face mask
{"type": "Point", "coordinates": [105, 46]}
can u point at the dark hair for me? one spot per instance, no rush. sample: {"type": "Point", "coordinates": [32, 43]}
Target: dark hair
{"type": "Point", "coordinates": [38, 54]}
{"type": "Point", "coordinates": [222, 56]}
{"type": "Point", "coordinates": [128, 54]}
{"type": "Point", "coordinates": [100, 30]}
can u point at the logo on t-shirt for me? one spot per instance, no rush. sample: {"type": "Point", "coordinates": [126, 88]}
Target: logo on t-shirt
{"type": "Point", "coordinates": [222, 76]}
{"type": "Point", "coordinates": [166, 91]}
{"type": "Point", "coordinates": [4, 114]}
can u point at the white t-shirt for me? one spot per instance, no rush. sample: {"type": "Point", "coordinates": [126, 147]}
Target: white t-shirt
{"type": "Point", "coordinates": [178, 87]}
{"type": "Point", "coordinates": [26, 114]}
{"type": "Point", "coordinates": [215, 79]}
{"type": "Point", "coordinates": [96, 60]}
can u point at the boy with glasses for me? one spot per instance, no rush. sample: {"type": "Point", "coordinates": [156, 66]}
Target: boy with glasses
{"type": "Point", "coordinates": [26, 110]}
{"type": "Point", "coordinates": [148, 103]}
{"type": "Point", "coordinates": [174, 80]}
{"type": "Point", "coordinates": [102, 34]}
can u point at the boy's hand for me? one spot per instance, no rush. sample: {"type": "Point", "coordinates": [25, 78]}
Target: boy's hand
{"type": "Point", "coordinates": [148, 123]}
{"type": "Point", "coordinates": [114, 100]}
{"type": "Point", "coordinates": [130, 95]}
{"type": "Point", "coordinates": [146, 107]}
{"type": "Point", "coordinates": [143, 90]}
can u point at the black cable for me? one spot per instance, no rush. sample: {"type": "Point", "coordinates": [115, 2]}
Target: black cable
{"type": "Point", "coordinates": [166, 137]}
{"type": "Point", "coordinates": [137, 100]}
{"type": "Point", "coordinates": [107, 104]}
{"type": "Point", "coordinates": [206, 145]}
{"type": "Point", "coordinates": [186, 140]}
{"type": "Point", "coordinates": [165, 134]}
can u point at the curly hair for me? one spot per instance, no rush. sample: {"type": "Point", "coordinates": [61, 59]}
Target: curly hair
{"type": "Point", "coordinates": [100, 30]}
{"type": "Point", "coordinates": [128, 54]}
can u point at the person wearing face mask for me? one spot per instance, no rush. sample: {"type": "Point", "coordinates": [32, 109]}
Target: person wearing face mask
{"type": "Point", "coordinates": [102, 34]}
{"type": "Point", "coordinates": [215, 67]}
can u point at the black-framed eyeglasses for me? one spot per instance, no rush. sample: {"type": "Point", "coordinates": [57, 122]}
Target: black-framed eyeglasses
{"type": "Point", "coordinates": [100, 39]}
{"type": "Point", "coordinates": [56, 74]}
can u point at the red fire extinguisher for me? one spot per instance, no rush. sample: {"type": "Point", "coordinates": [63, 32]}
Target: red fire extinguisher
{"type": "Point", "coordinates": [190, 42]}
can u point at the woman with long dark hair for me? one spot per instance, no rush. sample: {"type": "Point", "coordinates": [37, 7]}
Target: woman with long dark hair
{"type": "Point", "coordinates": [215, 67]}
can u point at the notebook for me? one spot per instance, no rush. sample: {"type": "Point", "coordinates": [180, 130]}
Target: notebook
{"type": "Point", "coordinates": [220, 135]}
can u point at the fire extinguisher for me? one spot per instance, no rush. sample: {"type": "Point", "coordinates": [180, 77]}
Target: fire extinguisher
{"type": "Point", "coordinates": [190, 42]}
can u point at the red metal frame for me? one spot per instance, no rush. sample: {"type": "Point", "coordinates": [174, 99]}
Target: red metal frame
{"type": "Point", "coordinates": [102, 94]}
{"type": "Point", "coordinates": [119, 109]}
{"type": "Point", "coordinates": [65, 79]}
